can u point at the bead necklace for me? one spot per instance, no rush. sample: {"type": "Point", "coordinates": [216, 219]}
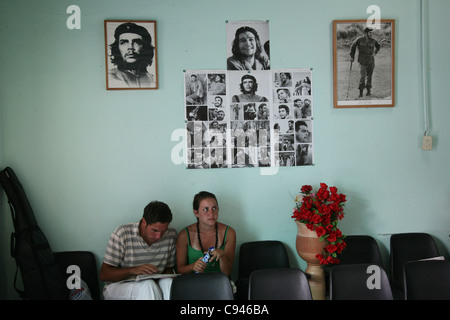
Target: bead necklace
{"type": "Point", "coordinates": [200, 241]}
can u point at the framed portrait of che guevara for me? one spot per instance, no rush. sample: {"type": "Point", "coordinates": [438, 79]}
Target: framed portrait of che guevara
{"type": "Point", "coordinates": [363, 63]}
{"type": "Point", "coordinates": [130, 53]}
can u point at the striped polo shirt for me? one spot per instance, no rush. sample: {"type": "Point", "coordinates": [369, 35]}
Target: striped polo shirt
{"type": "Point", "coordinates": [126, 248]}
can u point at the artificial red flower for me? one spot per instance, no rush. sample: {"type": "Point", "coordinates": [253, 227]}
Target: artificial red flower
{"type": "Point", "coordinates": [331, 248]}
{"type": "Point", "coordinates": [320, 231]}
{"type": "Point", "coordinates": [332, 237]}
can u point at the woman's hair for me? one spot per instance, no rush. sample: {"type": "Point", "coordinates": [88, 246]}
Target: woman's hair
{"type": "Point", "coordinates": [202, 195]}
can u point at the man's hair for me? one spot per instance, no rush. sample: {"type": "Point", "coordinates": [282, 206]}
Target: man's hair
{"type": "Point", "coordinates": [157, 211]}
{"type": "Point", "coordinates": [255, 84]}
{"type": "Point", "coordinates": [147, 53]}
{"type": "Point", "coordinates": [235, 47]}
{"type": "Point", "coordinates": [285, 90]}
{"type": "Point", "coordinates": [285, 107]}
{"type": "Point", "coordinates": [202, 195]}
{"type": "Point", "coordinates": [300, 123]}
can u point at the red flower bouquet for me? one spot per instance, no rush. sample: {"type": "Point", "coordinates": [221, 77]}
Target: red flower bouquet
{"type": "Point", "coordinates": [321, 212]}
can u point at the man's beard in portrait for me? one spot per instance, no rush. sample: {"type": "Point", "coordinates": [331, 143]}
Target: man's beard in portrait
{"type": "Point", "coordinates": [140, 64]}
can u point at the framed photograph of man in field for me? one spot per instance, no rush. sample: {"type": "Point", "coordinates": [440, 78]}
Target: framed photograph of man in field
{"type": "Point", "coordinates": [363, 63]}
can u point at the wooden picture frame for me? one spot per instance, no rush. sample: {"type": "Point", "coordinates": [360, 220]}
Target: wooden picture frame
{"type": "Point", "coordinates": [364, 82]}
{"type": "Point", "coordinates": [130, 55]}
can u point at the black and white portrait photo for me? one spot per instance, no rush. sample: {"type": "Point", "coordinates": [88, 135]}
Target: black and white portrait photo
{"type": "Point", "coordinates": [363, 57]}
{"type": "Point", "coordinates": [130, 48]}
{"type": "Point", "coordinates": [196, 88]}
{"type": "Point", "coordinates": [249, 87]}
{"type": "Point", "coordinates": [248, 45]}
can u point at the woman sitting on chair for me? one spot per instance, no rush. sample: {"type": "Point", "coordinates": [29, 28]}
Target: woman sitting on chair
{"type": "Point", "coordinates": [195, 240]}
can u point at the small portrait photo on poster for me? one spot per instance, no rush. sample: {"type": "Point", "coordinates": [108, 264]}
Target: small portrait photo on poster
{"type": "Point", "coordinates": [196, 88]}
{"type": "Point", "coordinates": [130, 53]}
{"type": "Point", "coordinates": [249, 87]}
{"type": "Point", "coordinates": [303, 154]}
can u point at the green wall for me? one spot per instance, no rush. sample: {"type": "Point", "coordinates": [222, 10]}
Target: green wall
{"type": "Point", "coordinates": [91, 159]}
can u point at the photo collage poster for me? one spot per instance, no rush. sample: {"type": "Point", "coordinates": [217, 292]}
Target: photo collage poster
{"type": "Point", "coordinates": [248, 115]}
{"type": "Point", "coordinates": [237, 119]}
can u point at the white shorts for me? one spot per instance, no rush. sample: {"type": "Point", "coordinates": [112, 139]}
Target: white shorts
{"type": "Point", "coordinates": [158, 289]}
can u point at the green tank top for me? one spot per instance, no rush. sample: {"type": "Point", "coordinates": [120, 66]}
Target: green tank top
{"type": "Point", "coordinates": [194, 254]}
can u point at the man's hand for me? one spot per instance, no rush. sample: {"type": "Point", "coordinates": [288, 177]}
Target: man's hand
{"type": "Point", "coordinates": [144, 269]}
{"type": "Point", "coordinates": [113, 274]}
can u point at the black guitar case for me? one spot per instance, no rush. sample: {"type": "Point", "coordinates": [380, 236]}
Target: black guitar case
{"type": "Point", "coordinates": [41, 276]}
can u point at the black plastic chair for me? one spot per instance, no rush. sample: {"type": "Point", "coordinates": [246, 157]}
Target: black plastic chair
{"type": "Point", "coordinates": [258, 255]}
{"type": "Point", "coordinates": [86, 261]}
{"type": "Point", "coordinates": [201, 286]}
{"type": "Point", "coordinates": [358, 282]}
{"type": "Point", "coordinates": [406, 247]}
{"type": "Point", "coordinates": [427, 280]}
{"type": "Point", "coordinates": [360, 249]}
{"type": "Point", "coordinates": [279, 284]}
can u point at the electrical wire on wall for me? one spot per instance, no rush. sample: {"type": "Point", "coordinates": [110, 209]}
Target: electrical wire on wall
{"type": "Point", "coordinates": [427, 140]}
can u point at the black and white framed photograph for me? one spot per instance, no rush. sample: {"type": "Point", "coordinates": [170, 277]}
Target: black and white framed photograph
{"type": "Point", "coordinates": [130, 53]}
{"type": "Point", "coordinates": [248, 46]}
{"type": "Point", "coordinates": [363, 63]}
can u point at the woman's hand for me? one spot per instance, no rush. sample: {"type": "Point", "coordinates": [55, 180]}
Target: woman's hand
{"type": "Point", "coordinates": [216, 254]}
{"type": "Point", "coordinates": [199, 266]}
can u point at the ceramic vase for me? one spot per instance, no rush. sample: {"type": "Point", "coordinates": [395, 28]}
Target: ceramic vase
{"type": "Point", "coordinates": [308, 245]}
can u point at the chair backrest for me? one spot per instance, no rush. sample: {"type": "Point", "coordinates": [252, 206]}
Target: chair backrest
{"type": "Point", "coordinates": [427, 280]}
{"type": "Point", "coordinates": [202, 286]}
{"type": "Point", "coordinates": [86, 261]}
{"type": "Point", "coordinates": [259, 255]}
{"type": "Point", "coordinates": [359, 282]}
{"type": "Point", "coordinates": [360, 249]}
{"type": "Point", "coordinates": [279, 284]}
{"type": "Point", "coordinates": [406, 247]}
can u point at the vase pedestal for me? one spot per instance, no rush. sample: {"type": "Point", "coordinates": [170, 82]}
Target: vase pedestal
{"type": "Point", "coordinates": [317, 281]}
{"type": "Point", "coordinates": [308, 245]}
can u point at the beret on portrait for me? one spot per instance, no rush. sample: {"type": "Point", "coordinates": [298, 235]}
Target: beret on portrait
{"type": "Point", "coordinates": [130, 27]}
